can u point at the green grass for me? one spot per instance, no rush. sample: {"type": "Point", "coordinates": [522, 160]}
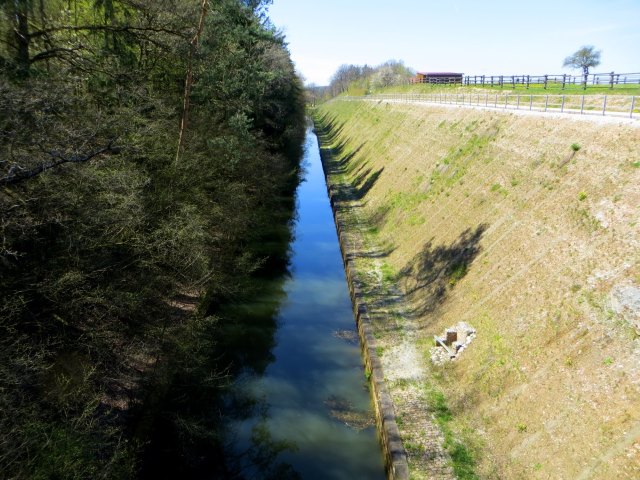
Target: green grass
{"type": "Point", "coordinates": [552, 89]}
{"type": "Point", "coordinates": [457, 162]}
{"type": "Point", "coordinates": [404, 201]}
{"type": "Point", "coordinates": [498, 188]}
{"type": "Point", "coordinates": [457, 272]}
{"type": "Point", "coordinates": [462, 458]}
{"type": "Point", "coordinates": [388, 274]}
{"type": "Point", "coordinates": [415, 220]}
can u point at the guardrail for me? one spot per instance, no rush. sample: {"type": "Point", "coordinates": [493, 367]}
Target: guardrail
{"type": "Point", "coordinates": [612, 105]}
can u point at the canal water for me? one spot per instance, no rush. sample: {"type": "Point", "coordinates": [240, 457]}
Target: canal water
{"type": "Point", "coordinates": [311, 410]}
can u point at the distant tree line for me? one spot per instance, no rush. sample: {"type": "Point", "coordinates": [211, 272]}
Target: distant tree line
{"type": "Point", "coordinates": [365, 78]}
{"type": "Point", "coordinates": [147, 148]}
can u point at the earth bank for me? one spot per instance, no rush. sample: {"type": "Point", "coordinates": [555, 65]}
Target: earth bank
{"type": "Point", "coordinates": [524, 228]}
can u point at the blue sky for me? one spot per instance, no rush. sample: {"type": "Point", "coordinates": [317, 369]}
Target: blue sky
{"type": "Point", "coordinates": [473, 37]}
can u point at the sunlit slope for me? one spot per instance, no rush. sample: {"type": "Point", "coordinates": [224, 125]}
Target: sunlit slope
{"type": "Point", "coordinates": [527, 229]}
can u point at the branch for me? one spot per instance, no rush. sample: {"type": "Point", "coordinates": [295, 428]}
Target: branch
{"type": "Point", "coordinates": [189, 79]}
{"type": "Point", "coordinates": [54, 52]}
{"type": "Point", "coordinates": [17, 174]}
{"type": "Point", "coordinates": [109, 28]}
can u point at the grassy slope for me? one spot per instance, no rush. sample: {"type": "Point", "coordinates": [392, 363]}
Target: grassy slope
{"type": "Point", "coordinates": [552, 89]}
{"type": "Point", "coordinates": [494, 219]}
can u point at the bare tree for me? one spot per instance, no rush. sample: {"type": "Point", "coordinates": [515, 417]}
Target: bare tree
{"type": "Point", "coordinates": [585, 58]}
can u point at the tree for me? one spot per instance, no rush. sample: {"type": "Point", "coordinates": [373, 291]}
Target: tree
{"type": "Point", "coordinates": [585, 58]}
{"type": "Point", "coordinates": [392, 72]}
{"type": "Point", "coordinates": [95, 246]}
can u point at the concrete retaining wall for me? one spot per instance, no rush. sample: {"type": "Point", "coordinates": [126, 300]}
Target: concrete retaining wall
{"type": "Point", "coordinates": [395, 455]}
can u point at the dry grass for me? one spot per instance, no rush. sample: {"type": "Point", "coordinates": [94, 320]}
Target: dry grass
{"type": "Point", "coordinates": [496, 220]}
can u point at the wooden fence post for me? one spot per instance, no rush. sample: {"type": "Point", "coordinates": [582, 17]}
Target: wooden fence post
{"type": "Point", "coordinates": [611, 81]}
{"type": "Point", "coordinates": [546, 78]}
{"type": "Point", "coordinates": [564, 80]}
{"type": "Point", "coordinates": [528, 80]}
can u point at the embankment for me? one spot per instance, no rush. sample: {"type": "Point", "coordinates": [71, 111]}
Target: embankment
{"type": "Point", "coordinates": [525, 228]}
{"type": "Point", "coordinates": [394, 453]}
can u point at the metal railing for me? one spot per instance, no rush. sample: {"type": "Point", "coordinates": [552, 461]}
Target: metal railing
{"type": "Point", "coordinates": [612, 105]}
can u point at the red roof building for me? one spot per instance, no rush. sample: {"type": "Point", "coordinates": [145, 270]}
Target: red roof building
{"type": "Point", "coordinates": [437, 77]}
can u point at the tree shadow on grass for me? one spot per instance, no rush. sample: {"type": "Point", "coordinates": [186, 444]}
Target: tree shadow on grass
{"type": "Point", "coordinates": [435, 270]}
{"type": "Point", "coordinates": [328, 128]}
{"type": "Point", "coordinates": [339, 162]}
{"type": "Point", "coordinates": [382, 252]}
{"type": "Point", "coordinates": [356, 190]}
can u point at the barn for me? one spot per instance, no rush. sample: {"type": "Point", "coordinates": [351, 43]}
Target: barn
{"type": "Point", "coordinates": [437, 77]}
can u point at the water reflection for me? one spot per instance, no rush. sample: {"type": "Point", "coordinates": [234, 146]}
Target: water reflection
{"type": "Point", "coordinates": [294, 402]}
{"type": "Point", "coordinates": [313, 390]}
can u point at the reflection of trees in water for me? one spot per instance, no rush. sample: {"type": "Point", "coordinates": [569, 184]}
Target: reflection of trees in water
{"type": "Point", "coordinates": [186, 421]}
{"type": "Point", "coordinates": [265, 454]}
{"type": "Point", "coordinates": [248, 352]}
{"type": "Point", "coordinates": [259, 460]}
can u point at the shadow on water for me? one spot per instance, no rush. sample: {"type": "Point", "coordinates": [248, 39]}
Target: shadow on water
{"type": "Point", "coordinates": [434, 271]}
{"type": "Point", "coordinates": [236, 403]}
{"type": "Point", "coordinates": [182, 428]}
{"type": "Point", "coordinates": [187, 437]}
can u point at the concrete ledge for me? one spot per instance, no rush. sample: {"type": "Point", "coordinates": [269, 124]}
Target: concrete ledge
{"type": "Point", "coordinates": [395, 455]}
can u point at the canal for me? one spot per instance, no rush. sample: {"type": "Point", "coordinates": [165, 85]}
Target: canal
{"type": "Point", "coordinates": [312, 416]}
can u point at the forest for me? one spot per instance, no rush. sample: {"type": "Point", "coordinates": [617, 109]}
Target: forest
{"type": "Point", "coordinates": [149, 151]}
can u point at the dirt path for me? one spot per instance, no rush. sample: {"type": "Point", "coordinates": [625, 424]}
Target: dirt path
{"type": "Point", "coordinates": [568, 114]}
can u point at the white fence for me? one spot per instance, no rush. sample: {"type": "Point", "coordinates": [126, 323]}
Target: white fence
{"type": "Point", "coordinates": [610, 105]}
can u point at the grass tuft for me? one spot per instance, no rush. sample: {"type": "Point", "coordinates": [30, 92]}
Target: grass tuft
{"type": "Point", "coordinates": [462, 458]}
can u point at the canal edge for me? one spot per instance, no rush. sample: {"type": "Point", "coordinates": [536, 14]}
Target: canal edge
{"type": "Point", "coordinates": [395, 456]}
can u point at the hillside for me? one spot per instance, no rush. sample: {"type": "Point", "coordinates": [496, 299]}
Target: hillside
{"type": "Point", "coordinates": [526, 228]}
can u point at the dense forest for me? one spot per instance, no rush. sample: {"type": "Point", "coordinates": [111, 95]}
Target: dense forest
{"type": "Point", "coordinates": [149, 153]}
